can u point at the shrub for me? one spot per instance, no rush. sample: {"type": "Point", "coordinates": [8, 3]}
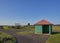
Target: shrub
{"type": "Point", "coordinates": [5, 38]}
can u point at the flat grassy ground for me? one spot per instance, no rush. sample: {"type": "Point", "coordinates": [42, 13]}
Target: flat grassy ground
{"type": "Point", "coordinates": [27, 30]}
{"type": "Point", "coordinates": [54, 39]}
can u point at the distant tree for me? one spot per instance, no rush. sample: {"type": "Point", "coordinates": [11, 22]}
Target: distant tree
{"type": "Point", "coordinates": [1, 27]}
{"type": "Point", "coordinates": [13, 27]}
{"type": "Point", "coordinates": [28, 24]}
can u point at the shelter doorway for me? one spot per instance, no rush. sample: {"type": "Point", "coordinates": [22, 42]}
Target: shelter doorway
{"type": "Point", "coordinates": [45, 29]}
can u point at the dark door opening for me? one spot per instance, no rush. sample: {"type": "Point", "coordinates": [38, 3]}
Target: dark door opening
{"type": "Point", "coordinates": [45, 28]}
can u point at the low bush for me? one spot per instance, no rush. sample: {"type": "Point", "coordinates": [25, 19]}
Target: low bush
{"type": "Point", "coordinates": [5, 38]}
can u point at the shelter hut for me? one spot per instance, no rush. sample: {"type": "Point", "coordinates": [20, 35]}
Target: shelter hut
{"type": "Point", "coordinates": [43, 27]}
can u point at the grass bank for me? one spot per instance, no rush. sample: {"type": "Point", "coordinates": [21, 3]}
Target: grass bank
{"type": "Point", "coordinates": [5, 38]}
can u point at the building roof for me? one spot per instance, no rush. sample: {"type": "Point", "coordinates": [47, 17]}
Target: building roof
{"type": "Point", "coordinates": [43, 22]}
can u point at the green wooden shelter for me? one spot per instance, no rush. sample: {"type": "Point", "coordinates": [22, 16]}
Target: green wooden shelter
{"type": "Point", "coordinates": [43, 27]}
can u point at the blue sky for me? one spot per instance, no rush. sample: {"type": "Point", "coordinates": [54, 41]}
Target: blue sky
{"type": "Point", "coordinates": [29, 11]}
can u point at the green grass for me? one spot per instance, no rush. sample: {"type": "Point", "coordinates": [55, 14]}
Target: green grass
{"type": "Point", "coordinates": [5, 38]}
{"type": "Point", "coordinates": [54, 39]}
{"type": "Point", "coordinates": [26, 32]}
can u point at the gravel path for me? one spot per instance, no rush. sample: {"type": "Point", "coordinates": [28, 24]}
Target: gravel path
{"type": "Point", "coordinates": [30, 38]}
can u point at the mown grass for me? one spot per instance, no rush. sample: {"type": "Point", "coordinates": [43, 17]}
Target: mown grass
{"type": "Point", "coordinates": [25, 32]}
{"type": "Point", "coordinates": [5, 38]}
{"type": "Point", "coordinates": [55, 38]}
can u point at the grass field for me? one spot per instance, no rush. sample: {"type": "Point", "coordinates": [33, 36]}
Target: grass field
{"type": "Point", "coordinates": [54, 39]}
{"type": "Point", "coordinates": [27, 30]}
